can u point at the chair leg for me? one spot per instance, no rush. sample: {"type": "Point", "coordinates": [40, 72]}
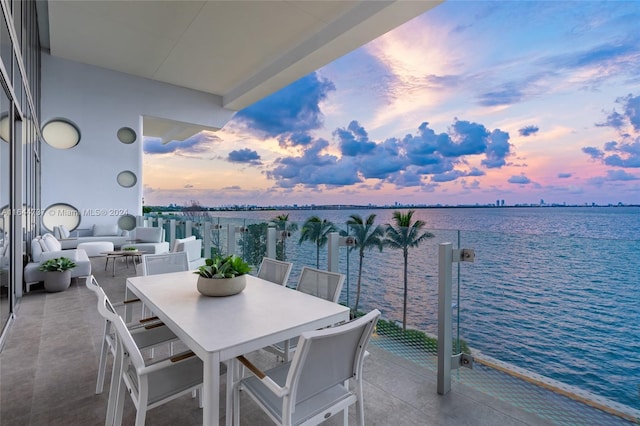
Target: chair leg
{"type": "Point", "coordinates": [119, 408]}
{"type": "Point", "coordinates": [360, 402]}
{"type": "Point", "coordinates": [114, 391]}
{"type": "Point", "coordinates": [143, 401]}
{"type": "Point", "coordinates": [102, 366]}
{"type": "Point", "coordinates": [141, 413]}
{"type": "Point", "coordinates": [345, 412]}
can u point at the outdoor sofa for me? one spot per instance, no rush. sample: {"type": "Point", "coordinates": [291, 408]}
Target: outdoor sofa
{"type": "Point", "coordinates": [109, 233]}
{"type": "Point", "coordinates": [48, 247]}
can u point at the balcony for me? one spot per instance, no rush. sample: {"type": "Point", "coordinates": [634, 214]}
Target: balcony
{"type": "Point", "coordinates": [50, 358]}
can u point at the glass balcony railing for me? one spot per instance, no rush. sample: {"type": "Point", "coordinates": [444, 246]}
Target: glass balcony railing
{"type": "Point", "coordinates": [559, 313]}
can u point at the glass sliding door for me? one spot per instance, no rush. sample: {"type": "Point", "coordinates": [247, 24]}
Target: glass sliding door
{"type": "Point", "coordinates": [7, 216]}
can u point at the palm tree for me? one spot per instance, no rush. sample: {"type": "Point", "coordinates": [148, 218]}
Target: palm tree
{"type": "Point", "coordinates": [316, 230]}
{"type": "Point", "coordinates": [285, 229]}
{"type": "Point", "coordinates": [404, 236]}
{"type": "Point", "coordinates": [367, 236]}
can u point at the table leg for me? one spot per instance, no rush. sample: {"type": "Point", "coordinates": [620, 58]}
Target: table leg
{"type": "Point", "coordinates": [233, 374]}
{"type": "Point", "coordinates": [211, 390]}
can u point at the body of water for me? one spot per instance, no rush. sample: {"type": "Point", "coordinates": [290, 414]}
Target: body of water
{"type": "Point", "coordinates": [552, 290]}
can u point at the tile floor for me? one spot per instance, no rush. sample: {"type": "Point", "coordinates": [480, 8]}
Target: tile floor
{"type": "Point", "coordinates": [49, 362]}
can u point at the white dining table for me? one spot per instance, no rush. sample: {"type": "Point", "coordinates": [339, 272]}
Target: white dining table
{"type": "Point", "coordinates": [218, 329]}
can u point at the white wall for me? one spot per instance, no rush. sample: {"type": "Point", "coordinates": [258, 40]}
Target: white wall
{"type": "Point", "coordinates": [100, 102]}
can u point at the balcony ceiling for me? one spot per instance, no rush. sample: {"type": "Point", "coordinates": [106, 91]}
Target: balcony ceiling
{"type": "Point", "coordinates": [240, 50]}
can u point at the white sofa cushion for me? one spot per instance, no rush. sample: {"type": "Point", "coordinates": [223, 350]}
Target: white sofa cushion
{"type": "Point", "coordinates": [105, 230]}
{"type": "Point", "coordinates": [148, 235]}
{"type": "Point", "coordinates": [149, 248]}
{"type": "Point", "coordinates": [40, 250]}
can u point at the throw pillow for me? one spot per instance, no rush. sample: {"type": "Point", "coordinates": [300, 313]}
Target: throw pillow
{"type": "Point", "coordinates": [64, 232]}
{"type": "Point", "coordinates": [51, 243]}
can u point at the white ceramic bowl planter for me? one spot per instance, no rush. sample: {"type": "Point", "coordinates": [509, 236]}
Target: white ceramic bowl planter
{"type": "Point", "coordinates": [221, 286]}
{"type": "Point", "coordinates": [222, 276]}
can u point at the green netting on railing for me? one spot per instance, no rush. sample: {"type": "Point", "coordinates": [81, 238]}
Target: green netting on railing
{"type": "Point", "coordinates": [546, 404]}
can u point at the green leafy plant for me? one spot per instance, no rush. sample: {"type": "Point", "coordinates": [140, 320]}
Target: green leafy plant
{"type": "Point", "coordinates": [59, 264]}
{"type": "Point", "coordinates": [129, 249]}
{"type": "Point", "coordinates": [223, 267]}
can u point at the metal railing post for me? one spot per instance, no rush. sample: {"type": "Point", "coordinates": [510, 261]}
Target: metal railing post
{"type": "Point", "coordinates": [445, 262]}
{"type": "Point", "coordinates": [161, 226]}
{"type": "Point", "coordinates": [231, 239]}
{"type": "Point", "coordinates": [271, 242]}
{"type": "Point", "coordinates": [446, 360]}
{"type": "Point", "coordinates": [333, 254]}
{"type": "Point", "coordinates": [172, 232]}
{"type": "Point", "coordinates": [206, 238]}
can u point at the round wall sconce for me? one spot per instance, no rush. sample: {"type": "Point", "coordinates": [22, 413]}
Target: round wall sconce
{"type": "Point", "coordinates": [126, 135]}
{"type": "Point", "coordinates": [61, 214]}
{"type": "Point", "coordinates": [5, 121]}
{"type": "Point", "coordinates": [127, 222]}
{"type": "Point", "coordinates": [127, 179]}
{"type": "Point", "coordinates": [61, 134]}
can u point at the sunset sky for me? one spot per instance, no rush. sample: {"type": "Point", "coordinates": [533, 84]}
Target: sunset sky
{"type": "Point", "coordinates": [469, 103]}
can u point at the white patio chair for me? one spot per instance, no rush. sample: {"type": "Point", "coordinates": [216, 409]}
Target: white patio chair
{"type": "Point", "coordinates": [148, 385]}
{"type": "Point", "coordinates": [146, 334]}
{"type": "Point", "coordinates": [153, 264]}
{"type": "Point", "coordinates": [314, 386]}
{"type": "Point", "coordinates": [324, 284]}
{"type": "Point", "coordinates": [165, 263]}
{"type": "Point", "coordinates": [316, 282]}
{"type": "Point", "coordinates": [193, 248]}
{"type": "Point", "coordinates": [275, 271]}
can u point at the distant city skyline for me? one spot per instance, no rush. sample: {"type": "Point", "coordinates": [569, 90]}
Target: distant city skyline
{"type": "Point", "coordinates": [194, 205]}
{"type": "Point", "coordinates": [470, 103]}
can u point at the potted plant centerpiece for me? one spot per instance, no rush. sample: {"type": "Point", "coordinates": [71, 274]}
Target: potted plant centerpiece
{"type": "Point", "coordinates": [57, 273]}
{"type": "Point", "coordinates": [222, 276]}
